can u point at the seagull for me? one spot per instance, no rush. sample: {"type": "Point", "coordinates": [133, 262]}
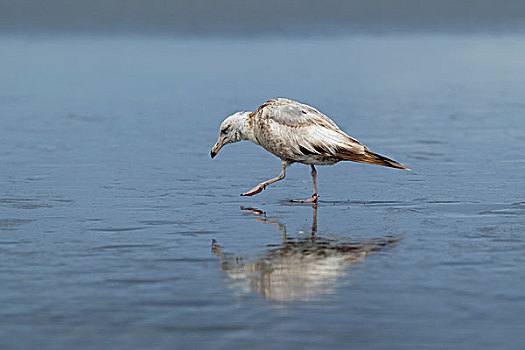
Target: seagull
{"type": "Point", "coordinates": [296, 133]}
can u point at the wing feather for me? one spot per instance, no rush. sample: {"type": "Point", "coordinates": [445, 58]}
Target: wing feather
{"type": "Point", "coordinates": [294, 128]}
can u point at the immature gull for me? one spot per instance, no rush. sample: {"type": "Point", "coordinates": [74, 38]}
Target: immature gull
{"type": "Point", "coordinates": [295, 132]}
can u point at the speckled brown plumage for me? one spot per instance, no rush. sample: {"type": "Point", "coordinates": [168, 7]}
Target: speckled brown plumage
{"type": "Point", "coordinates": [296, 132]}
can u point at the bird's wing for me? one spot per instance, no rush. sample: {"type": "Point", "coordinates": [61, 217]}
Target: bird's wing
{"type": "Point", "coordinates": [294, 114]}
{"type": "Point", "coordinates": [305, 130]}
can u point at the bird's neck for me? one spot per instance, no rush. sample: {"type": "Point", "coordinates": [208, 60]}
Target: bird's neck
{"type": "Point", "coordinates": [246, 128]}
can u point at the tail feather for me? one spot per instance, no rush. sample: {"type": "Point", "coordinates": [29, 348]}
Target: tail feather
{"type": "Point", "coordinates": [370, 158]}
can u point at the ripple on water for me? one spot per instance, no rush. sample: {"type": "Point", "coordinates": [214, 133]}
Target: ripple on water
{"type": "Point", "coordinates": [469, 209]}
{"type": "Point", "coordinates": [31, 203]}
{"type": "Point", "coordinates": [23, 203]}
{"type": "Point", "coordinates": [508, 209]}
{"type": "Point", "coordinates": [124, 246]}
{"type": "Point", "coordinates": [117, 229]}
{"type": "Point", "coordinates": [196, 232]}
{"type": "Point", "coordinates": [350, 202]}
{"type": "Point", "coordinates": [189, 260]}
{"type": "Point", "coordinates": [142, 280]}
{"type": "Point", "coordinates": [10, 224]}
{"type": "Point", "coordinates": [163, 222]}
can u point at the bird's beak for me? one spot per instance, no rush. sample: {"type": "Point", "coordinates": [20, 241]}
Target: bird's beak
{"type": "Point", "coordinates": [216, 148]}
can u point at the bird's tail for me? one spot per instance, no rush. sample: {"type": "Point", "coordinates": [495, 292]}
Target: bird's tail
{"type": "Point", "coordinates": [370, 158]}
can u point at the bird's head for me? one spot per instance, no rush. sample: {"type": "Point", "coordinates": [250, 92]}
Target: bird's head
{"type": "Point", "coordinates": [231, 131]}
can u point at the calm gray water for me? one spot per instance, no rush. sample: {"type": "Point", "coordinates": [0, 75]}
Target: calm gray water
{"type": "Point", "coordinates": [118, 231]}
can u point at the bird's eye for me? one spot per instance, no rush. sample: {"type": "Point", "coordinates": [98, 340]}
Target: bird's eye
{"type": "Point", "coordinates": [225, 130]}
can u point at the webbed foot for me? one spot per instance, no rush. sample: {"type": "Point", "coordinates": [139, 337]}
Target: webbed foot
{"type": "Point", "coordinates": [253, 191]}
{"type": "Point", "coordinates": [312, 199]}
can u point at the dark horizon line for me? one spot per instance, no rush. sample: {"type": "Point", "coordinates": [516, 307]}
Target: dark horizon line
{"type": "Point", "coordinates": [293, 30]}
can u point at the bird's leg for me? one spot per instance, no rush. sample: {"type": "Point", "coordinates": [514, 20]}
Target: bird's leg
{"type": "Point", "coordinates": [263, 185]}
{"type": "Point", "coordinates": [314, 220]}
{"type": "Point", "coordinates": [315, 196]}
{"type": "Point", "coordinates": [314, 182]}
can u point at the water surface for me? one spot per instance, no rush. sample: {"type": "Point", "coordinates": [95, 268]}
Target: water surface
{"type": "Point", "coordinates": [117, 230]}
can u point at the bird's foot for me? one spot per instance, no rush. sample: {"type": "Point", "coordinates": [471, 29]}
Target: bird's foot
{"type": "Point", "coordinates": [255, 190]}
{"type": "Point", "coordinates": [313, 199]}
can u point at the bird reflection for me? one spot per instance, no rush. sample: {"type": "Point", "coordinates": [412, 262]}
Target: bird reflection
{"type": "Point", "coordinates": [298, 268]}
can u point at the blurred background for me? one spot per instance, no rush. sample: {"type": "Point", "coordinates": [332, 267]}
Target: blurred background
{"type": "Point", "coordinates": [252, 17]}
{"type": "Point", "coordinates": [117, 230]}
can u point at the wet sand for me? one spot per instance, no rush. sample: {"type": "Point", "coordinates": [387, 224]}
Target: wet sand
{"type": "Point", "coordinates": [117, 230]}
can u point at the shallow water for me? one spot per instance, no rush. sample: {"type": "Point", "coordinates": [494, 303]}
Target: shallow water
{"type": "Point", "coordinates": [117, 230]}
